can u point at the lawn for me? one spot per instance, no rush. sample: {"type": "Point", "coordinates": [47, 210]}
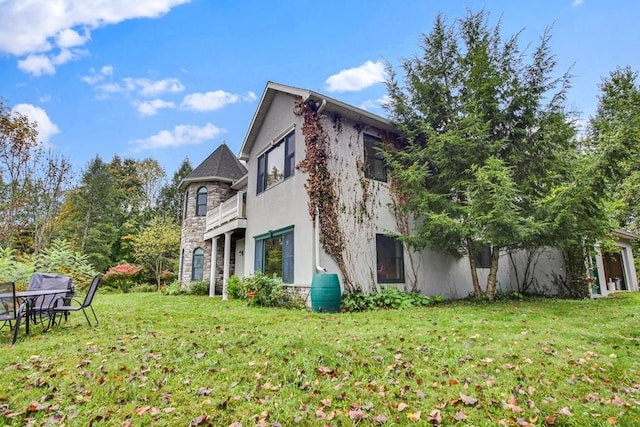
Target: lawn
{"type": "Point", "coordinates": [190, 360]}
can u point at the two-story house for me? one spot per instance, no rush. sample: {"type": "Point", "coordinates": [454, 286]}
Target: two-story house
{"type": "Point", "coordinates": [262, 212]}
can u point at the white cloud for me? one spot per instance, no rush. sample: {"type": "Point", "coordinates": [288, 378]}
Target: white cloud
{"type": "Point", "coordinates": [373, 104]}
{"type": "Point", "coordinates": [141, 86]}
{"type": "Point", "coordinates": [96, 77]}
{"type": "Point", "coordinates": [357, 78]}
{"type": "Point", "coordinates": [29, 27]}
{"type": "Point", "coordinates": [577, 3]}
{"type": "Point", "coordinates": [46, 128]}
{"type": "Point", "coordinates": [38, 65]}
{"type": "Point", "coordinates": [211, 101]}
{"type": "Point", "coordinates": [179, 136]}
{"type": "Point", "coordinates": [150, 108]}
{"type": "Point", "coordinates": [70, 38]}
{"type": "Point", "coordinates": [148, 87]}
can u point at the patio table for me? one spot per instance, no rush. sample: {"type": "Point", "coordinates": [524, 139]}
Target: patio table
{"type": "Point", "coordinates": [30, 297]}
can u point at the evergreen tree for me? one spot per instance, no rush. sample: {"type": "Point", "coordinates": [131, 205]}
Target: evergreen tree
{"type": "Point", "coordinates": [615, 137]}
{"type": "Point", "coordinates": [91, 213]}
{"type": "Point", "coordinates": [486, 138]}
{"type": "Point", "coordinates": [170, 199]}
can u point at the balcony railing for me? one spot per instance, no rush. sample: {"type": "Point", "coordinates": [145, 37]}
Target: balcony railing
{"type": "Point", "coordinates": [232, 209]}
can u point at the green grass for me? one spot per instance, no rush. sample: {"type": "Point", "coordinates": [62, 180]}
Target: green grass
{"type": "Point", "coordinates": [160, 360]}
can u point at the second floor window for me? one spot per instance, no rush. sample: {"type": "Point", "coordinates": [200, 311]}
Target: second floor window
{"type": "Point", "coordinates": [201, 202]}
{"type": "Point", "coordinates": [374, 164]}
{"type": "Point", "coordinates": [277, 164]}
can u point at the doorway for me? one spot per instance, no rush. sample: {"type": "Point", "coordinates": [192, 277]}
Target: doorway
{"type": "Point", "coordinates": [614, 270]}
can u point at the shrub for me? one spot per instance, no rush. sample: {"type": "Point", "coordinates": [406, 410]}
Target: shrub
{"type": "Point", "coordinates": [174, 288]}
{"type": "Point", "coordinates": [269, 290]}
{"type": "Point", "coordinates": [388, 298]}
{"type": "Point", "coordinates": [62, 259]}
{"type": "Point", "coordinates": [14, 270]}
{"type": "Point", "coordinates": [122, 276]}
{"type": "Point", "coordinates": [144, 287]}
{"type": "Point", "coordinates": [198, 287]}
{"type": "Point", "coordinates": [234, 287]}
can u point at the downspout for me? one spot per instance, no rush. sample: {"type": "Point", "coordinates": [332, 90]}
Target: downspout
{"type": "Point", "coordinates": [322, 105]}
{"type": "Point", "coordinates": [316, 229]}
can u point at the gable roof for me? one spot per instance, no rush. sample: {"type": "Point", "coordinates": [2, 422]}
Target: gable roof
{"type": "Point", "coordinates": [324, 102]}
{"type": "Point", "coordinates": [221, 165]}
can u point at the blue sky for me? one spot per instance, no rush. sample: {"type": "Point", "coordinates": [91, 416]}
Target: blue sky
{"type": "Point", "coordinates": [170, 79]}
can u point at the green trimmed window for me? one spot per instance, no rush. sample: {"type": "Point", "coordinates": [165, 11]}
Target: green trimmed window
{"type": "Point", "coordinates": [274, 253]}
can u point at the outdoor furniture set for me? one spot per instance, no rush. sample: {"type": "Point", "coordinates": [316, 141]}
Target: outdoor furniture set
{"type": "Point", "coordinates": [47, 297]}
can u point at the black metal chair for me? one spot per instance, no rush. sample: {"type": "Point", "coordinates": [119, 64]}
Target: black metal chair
{"type": "Point", "coordinates": [10, 311]}
{"type": "Point", "coordinates": [60, 307]}
{"type": "Point", "coordinates": [40, 306]}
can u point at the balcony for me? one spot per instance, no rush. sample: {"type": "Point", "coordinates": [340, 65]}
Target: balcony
{"type": "Point", "coordinates": [228, 216]}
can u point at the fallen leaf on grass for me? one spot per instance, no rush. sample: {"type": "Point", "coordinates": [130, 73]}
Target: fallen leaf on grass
{"type": "Point", "coordinates": [357, 414]}
{"type": "Point", "coordinates": [204, 391]}
{"type": "Point", "coordinates": [402, 406]}
{"type": "Point", "coordinates": [460, 415]}
{"type": "Point", "coordinates": [414, 416]}
{"type": "Point", "coordinates": [142, 410]}
{"type": "Point", "coordinates": [566, 411]}
{"type": "Point", "coordinates": [379, 419]}
{"type": "Point", "coordinates": [435, 417]}
{"type": "Point", "coordinates": [468, 400]}
{"type": "Point", "coordinates": [200, 420]}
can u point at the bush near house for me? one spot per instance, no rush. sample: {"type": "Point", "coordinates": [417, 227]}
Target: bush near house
{"type": "Point", "coordinates": [262, 290]}
{"type": "Point", "coordinates": [386, 298]}
{"type": "Point", "coordinates": [121, 277]}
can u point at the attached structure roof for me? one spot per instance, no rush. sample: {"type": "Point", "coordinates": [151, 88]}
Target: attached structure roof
{"type": "Point", "coordinates": [345, 110]}
{"type": "Point", "coordinates": [221, 165]}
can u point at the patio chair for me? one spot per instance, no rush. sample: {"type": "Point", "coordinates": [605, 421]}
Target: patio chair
{"type": "Point", "coordinates": [59, 307]}
{"type": "Point", "coordinates": [40, 310]}
{"type": "Point", "coordinates": [10, 310]}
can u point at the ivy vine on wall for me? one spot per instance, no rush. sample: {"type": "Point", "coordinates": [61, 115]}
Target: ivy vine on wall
{"type": "Point", "coordinates": [323, 200]}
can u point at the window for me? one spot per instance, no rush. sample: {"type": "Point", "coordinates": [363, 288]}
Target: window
{"type": "Point", "coordinates": [483, 256]}
{"type": "Point", "coordinates": [277, 164]}
{"type": "Point", "coordinates": [274, 253]}
{"type": "Point", "coordinates": [186, 203]}
{"type": "Point", "coordinates": [201, 202]}
{"type": "Point", "coordinates": [374, 161]}
{"type": "Point", "coordinates": [197, 266]}
{"type": "Point", "coordinates": [389, 259]}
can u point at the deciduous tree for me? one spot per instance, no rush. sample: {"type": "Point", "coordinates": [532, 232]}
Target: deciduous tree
{"type": "Point", "coordinates": [18, 137]}
{"type": "Point", "coordinates": [157, 245]}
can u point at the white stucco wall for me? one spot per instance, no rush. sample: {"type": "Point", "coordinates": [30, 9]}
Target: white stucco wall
{"type": "Point", "coordinates": [363, 211]}
{"type": "Point", "coordinates": [284, 204]}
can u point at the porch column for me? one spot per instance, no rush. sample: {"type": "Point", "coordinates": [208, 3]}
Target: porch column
{"type": "Point", "coordinates": [212, 273]}
{"type": "Point", "coordinates": [227, 262]}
